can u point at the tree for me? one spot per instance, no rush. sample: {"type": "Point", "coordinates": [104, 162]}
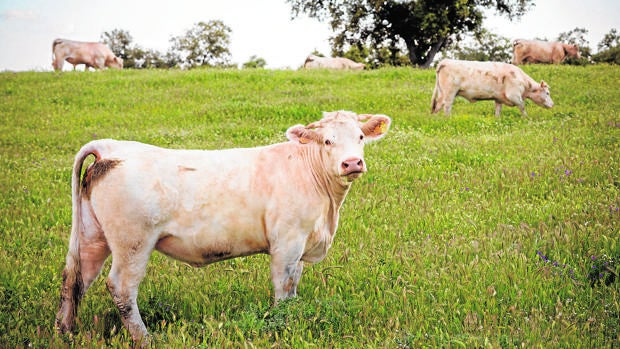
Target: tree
{"type": "Point", "coordinates": [485, 46]}
{"type": "Point", "coordinates": [120, 42]}
{"type": "Point", "coordinates": [205, 44]}
{"type": "Point", "coordinates": [610, 40]}
{"type": "Point", "coordinates": [419, 28]}
{"type": "Point", "coordinates": [609, 49]}
{"type": "Point", "coordinates": [577, 37]}
{"type": "Point", "coordinates": [255, 62]}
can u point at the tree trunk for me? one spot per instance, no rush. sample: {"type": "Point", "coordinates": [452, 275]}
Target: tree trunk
{"type": "Point", "coordinates": [424, 62]}
{"type": "Point", "coordinates": [433, 52]}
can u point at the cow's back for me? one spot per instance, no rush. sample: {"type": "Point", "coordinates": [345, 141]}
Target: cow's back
{"type": "Point", "coordinates": [537, 51]}
{"type": "Point", "coordinates": [468, 74]}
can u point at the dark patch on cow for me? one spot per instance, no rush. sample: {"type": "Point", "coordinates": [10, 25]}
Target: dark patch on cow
{"type": "Point", "coordinates": [185, 169]}
{"type": "Point", "coordinates": [124, 306]}
{"type": "Point", "coordinates": [135, 248]}
{"type": "Point", "coordinates": [73, 293]}
{"type": "Point", "coordinates": [96, 171]}
{"type": "Point", "coordinates": [215, 255]}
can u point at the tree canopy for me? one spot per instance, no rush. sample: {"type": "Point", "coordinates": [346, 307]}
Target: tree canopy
{"type": "Point", "coordinates": [205, 44]}
{"type": "Point", "coordinates": [420, 28]}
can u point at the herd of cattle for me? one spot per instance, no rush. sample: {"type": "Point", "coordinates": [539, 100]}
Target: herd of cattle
{"type": "Point", "coordinates": [506, 84]}
{"type": "Point", "coordinates": [202, 206]}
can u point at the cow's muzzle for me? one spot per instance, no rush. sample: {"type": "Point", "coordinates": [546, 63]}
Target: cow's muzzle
{"type": "Point", "coordinates": [353, 167]}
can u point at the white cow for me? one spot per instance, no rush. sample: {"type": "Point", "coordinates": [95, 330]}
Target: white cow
{"type": "Point", "coordinates": [341, 63]}
{"type": "Point", "coordinates": [538, 51]}
{"type": "Point", "coordinates": [475, 81]}
{"type": "Point", "coordinates": [92, 54]}
{"type": "Point", "coordinates": [204, 206]}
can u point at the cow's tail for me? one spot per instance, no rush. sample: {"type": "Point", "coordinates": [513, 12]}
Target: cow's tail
{"type": "Point", "coordinates": [72, 283]}
{"type": "Point", "coordinates": [436, 91]}
{"type": "Point", "coordinates": [56, 42]}
{"type": "Point", "coordinates": [308, 60]}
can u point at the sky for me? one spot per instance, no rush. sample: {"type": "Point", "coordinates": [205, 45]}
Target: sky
{"type": "Point", "coordinates": [262, 28]}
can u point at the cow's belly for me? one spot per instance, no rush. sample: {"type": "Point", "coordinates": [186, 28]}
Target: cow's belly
{"type": "Point", "coordinates": [478, 94]}
{"type": "Point", "coordinates": [201, 249]}
{"type": "Point", "coordinates": [202, 229]}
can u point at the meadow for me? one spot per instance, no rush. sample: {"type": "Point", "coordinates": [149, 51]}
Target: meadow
{"type": "Point", "coordinates": [468, 231]}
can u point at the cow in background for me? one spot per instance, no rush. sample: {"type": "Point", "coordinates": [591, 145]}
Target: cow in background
{"type": "Point", "coordinates": [339, 63]}
{"type": "Point", "coordinates": [537, 51]}
{"type": "Point", "coordinates": [92, 54]}
{"type": "Point", "coordinates": [204, 206]}
{"type": "Point", "coordinates": [476, 81]}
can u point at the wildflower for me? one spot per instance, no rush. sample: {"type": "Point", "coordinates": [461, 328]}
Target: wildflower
{"type": "Point", "coordinates": [542, 256]}
{"type": "Point", "coordinates": [568, 172]}
{"type": "Point", "coordinates": [602, 269]}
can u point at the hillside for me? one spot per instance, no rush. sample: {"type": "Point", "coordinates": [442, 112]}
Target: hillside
{"type": "Point", "coordinates": [468, 230]}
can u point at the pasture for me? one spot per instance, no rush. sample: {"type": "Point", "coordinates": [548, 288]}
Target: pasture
{"type": "Point", "coordinates": [468, 230]}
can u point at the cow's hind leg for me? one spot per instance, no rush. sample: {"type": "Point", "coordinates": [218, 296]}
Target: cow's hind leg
{"type": "Point", "coordinates": [498, 108]}
{"type": "Point", "coordinates": [129, 262]}
{"type": "Point", "coordinates": [448, 101]}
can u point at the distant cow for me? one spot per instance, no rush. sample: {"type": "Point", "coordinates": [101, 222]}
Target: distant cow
{"type": "Point", "coordinates": [92, 54]}
{"type": "Point", "coordinates": [501, 82]}
{"type": "Point", "coordinates": [341, 63]}
{"type": "Point", "coordinates": [204, 206]}
{"type": "Point", "coordinates": [536, 51]}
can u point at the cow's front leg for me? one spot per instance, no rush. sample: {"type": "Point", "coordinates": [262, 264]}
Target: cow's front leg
{"type": "Point", "coordinates": [286, 269]}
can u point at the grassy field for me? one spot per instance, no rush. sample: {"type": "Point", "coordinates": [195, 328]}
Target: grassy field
{"type": "Point", "coordinates": [468, 231]}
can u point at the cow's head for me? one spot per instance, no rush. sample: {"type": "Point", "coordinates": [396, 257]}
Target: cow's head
{"type": "Point", "coordinates": [541, 95]}
{"type": "Point", "coordinates": [572, 50]}
{"type": "Point", "coordinates": [340, 137]}
{"type": "Point", "coordinates": [117, 63]}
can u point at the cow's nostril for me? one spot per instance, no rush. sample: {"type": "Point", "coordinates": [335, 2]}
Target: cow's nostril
{"type": "Point", "coordinates": [345, 164]}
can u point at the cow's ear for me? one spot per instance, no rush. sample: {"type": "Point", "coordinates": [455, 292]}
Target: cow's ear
{"type": "Point", "coordinates": [543, 84]}
{"type": "Point", "coordinates": [301, 134]}
{"type": "Point", "coordinates": [376, 127]}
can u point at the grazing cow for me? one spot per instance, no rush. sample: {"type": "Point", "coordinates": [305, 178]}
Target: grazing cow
{"type": "Point", "coordinates": [201, 206]}
{"type": "Point", "coordinates": [340, 63]}
{"type": "Point", "coordinates": [92, 54]}
{"type": "Point", "coordinates": [502, 82]}
{"type": "Point", "coordinates": [536, 51]}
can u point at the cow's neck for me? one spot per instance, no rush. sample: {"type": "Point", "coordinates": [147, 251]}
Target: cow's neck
{"type": "Point", "coordinates": [332, 187]}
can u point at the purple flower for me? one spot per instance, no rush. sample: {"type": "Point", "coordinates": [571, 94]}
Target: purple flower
{"type": "Point", "coordinates": [568, 172]}
{"type": "Point", "coordinates": [542, 256]}
{"type": "Point", "coordinates": [593, 258]}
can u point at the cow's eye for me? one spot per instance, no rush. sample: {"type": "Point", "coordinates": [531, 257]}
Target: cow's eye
{"type": "Point", "coordinates": [328, 142]}
{"type": "Point", "coordinates": [361, 137]}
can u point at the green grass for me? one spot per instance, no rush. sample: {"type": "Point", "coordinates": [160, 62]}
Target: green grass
{"type": "Point", "coordinates": [438, 244]}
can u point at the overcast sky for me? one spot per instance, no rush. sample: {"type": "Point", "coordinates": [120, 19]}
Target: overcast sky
{"type": "Point", "coordinates": [259, 27]}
